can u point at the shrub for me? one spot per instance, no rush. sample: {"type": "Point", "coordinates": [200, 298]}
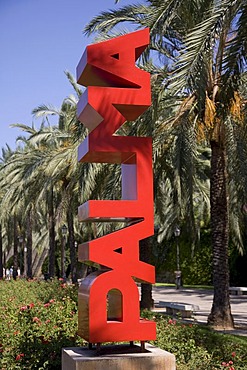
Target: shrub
{"type": "Point", "coordinates": [197, 347]}
{"type": "Point", "coordinates": [38, 319]}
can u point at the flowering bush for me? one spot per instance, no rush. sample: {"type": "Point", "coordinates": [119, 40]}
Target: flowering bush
{"type": "Point", "coordinates": [231, 365]}
{"type": "Point", "coordinates": [38, 319]}
{"type": "Point", "coordinates": [197, 347]}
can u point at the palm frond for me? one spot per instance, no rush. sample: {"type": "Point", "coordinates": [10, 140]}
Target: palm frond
{"type": "Point", "coordinates": [73, 83]}
{"type": "Point", "coordinates": [192, 65]}
{"type": "Point", "coordinates": [44, 110]}
{"type": "Point", "coordinates": [28, 129]}
{"type": "Point", "coordinates": [235, 54]}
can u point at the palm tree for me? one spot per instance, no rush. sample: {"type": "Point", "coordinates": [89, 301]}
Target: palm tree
{"type": "Point", "coordinates": [17, 202]}
{"type": "Point", "coordinates": [68, 177]}
{"type": "Point", "coordinates": [211, 68]}
{"type": "Point", "coordinates": [6, 153]}
{"type": "Point", "coordinates": [44, 173]}
{"type": "Point", "coordinates": [1, 253]}
{"type": "Point", "coordinates": [206, 84]}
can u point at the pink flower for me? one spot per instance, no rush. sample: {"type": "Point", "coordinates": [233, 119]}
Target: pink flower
{"type": "Point", "coordinates": [47, 304]}
{"type": "Point", "coordinates": [18, 357]}
{"type": "Point", "coordinates": [31, 305]}
{"type": "Point", "coordinates": [227, 364]}
{"type": "Point", "coordinates": [172, 322]}
{"type": "Point", "coordinates": [233, 354]}
{"type": "Point", "coordinates": [24, 308]}
{"type": "Point", "coordinates": [52, 300]}
{"type": "Point", "coordinates": [36, 319]}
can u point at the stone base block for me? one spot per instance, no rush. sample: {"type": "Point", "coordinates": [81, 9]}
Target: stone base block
{"type": "Point", "coordinates": [117, 357]}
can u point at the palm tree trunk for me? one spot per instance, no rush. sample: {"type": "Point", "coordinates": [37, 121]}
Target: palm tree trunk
{"type": "Point", "coordinates": [72, 247]}
{"type": "Point", "coordinates": [146, 288]}
{"type": "Point", "coordinates": [15, 261]}
{"type": "Point", "coordinates": [220, 315]}
{"type": "Point", "coordinates": [1, 253]}
{"type": "Point", "coordinates": [51, 227]}
{"type": "Point", "coordinates": [29, 245]}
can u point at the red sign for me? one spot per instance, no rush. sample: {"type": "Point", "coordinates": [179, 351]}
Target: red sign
{"type": "Point", "coordinates": [117, 90]}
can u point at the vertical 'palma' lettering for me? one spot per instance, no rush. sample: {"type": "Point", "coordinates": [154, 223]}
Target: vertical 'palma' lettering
{"type": "Point", "coordinates": [117, 90]}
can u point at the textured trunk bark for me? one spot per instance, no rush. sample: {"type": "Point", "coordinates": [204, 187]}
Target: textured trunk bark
{"type": "Point", "coordinates": [1, 253]}
{"type": "Point", "coordinates": [72, 247]}
{"type": "Point", "coordinates": [220, 316]}
{"type": "Point", "coordinates": [146, 288]}
{"type": "Point", "coordinates": [63, 246]}
{"type": "Point", "coordinates": [15, 260]}
{"type": "Point", "coordinates": [29, 245]}
{"type": "Point", "coordinates": [51, 227]}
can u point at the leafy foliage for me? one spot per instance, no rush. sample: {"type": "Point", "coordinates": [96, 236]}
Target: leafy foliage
{"type": "Point", "coordinates": [38, 319]}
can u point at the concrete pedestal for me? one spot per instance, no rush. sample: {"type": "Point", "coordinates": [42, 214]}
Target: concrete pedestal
{"type": "Point", "coordinates": [117, 357]}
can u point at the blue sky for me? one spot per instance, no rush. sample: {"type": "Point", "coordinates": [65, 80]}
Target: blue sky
{"type": "Point", "coordinates": [39, 40]}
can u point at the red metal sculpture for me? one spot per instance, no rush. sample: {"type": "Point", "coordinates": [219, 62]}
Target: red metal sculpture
{"type": "Point", "coordinates": [116, 91]}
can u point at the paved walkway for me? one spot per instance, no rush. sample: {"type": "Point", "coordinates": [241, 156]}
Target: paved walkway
{"type": "Point", "coordinates": [203, 299]}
